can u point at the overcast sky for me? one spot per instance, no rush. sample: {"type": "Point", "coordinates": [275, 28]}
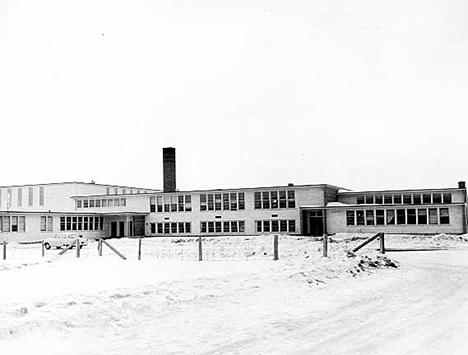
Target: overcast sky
{"type": "Point", "coordinates": [362, 94]}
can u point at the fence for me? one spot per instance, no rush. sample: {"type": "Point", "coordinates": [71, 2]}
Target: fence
{"type": "Point", "coordinates": [272, 247]}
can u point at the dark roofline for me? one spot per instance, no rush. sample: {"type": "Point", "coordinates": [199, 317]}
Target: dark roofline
{"type": "Point", "coordinates": [78, 182]}
{"type": "Point", "coordinates": [398, 190]}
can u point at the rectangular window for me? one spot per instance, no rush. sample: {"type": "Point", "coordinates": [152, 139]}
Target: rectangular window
{"type": "Point", "coordinates": [101, 223]}
{"type": "Point", "coordinates": [107, 190]}
{"type": "Point", "coordinates": [181, 227]}
{"type": "Point", "coordinates": [78, 203]}
{"type": "Point", "coordinates": [218, 202]}
{"type": "Point", "coordinates": [91, 223]}
{"type": "Point", "coordinates": [62, 223]}
{"type": "Point", "coordinates": [444, 216]}
{"type": "Point", "coordinates": [210, 202]}
{"type": "Point", "coordinates": [350, 218]}
{"type": "Point", "coordinates": [218, 225]}
{"type": "Point", "coordinates": [14, 223]}
{"type": "Point", "coordinates": [233, 197]}
{"type": "Point", "coordinates": [390, 217]}
{"type": "Point", "coordinates": [226, 202]}
{"type": "Point", "coordinates": [433, 218]}
{"type": "Point", "coordinates": [173, 203]}
{"type": "Point", "coordinates": [181, 203]}
{"type": "Point", "coordinates": [22, 224]}
{"type": "Point", "coordinates": [292, 225]}
{"type": "Point", "coordinates": [69, 223]}
{"type": "Point", "coordinates": [370, 217]}
{"type": "Point", "coordinates": [80, 223]}
{"type": "Point", "coordinates": [98, 203]}
{"type": "Point", "coordinates": [6, 223]}
{"type": "Point", "coordinates": [43, 223]}
{"type": "Point", "coordinates": [20, 197]}
{"type": "Point", "coordinates": [266, 226]}
{"type": "Point", "coordinates": [274, 226]}
{"type": "Point", "coordinates": [422, 216]}
{"type": "Point", "coordinates": [369, 199]}
{"type": "Point", "coordinates": [241, 201]}
{"type": "Point", "coordinates": [265, 200]}
{"type": "Point", "coordinates": [203, 227]}
{"type": "Point", "coordinates": [123, 202]}
{"type": "Point", "coordinates": [116, 191]}
{"type": "Point", "coordinates": [407, 199]}
{"type": "Point", "coordinates": [85, 204]}
{"type": "Point", "coordinates": [226, 227]}
{"type": "Point", "coordinates": [104, 202]}
{"type": "Point", "coordinates": [167, 204]}
{"type": "Point", "coordinates": [116, 202]}
{"type": "Point", "coordinates": [30, 196]}
{"type": "Point", "coordinates": [173, 227]}
{"type": "Point", "coordinates": [427, 198]}
{"type": "Point", "coordinates": [417, 199]}
{"type": "Point", "coordinates": [41, 195]}
{"type": "Point", "coordinates": [241, 226]}
{"type": "Point", "coordinates": [188, 227]}
{"type": "Point", "coordinates": [234, 227]}
{"type": "Point", "coordinates": [411, 216]}
{"type": "Point", "coordinates": [96, 223]}
{"type": "Point", "coordinates": [74, 223]}
{"type": "Point", "coordinates": [360, 199]}
{"type": "Point", "coordinates": [282, 199]}
{"type": "Point", "coordinates": [388, 199]}
{"type": "Point", "coordinates": [397, 199]}
{"type": "Point", "coordinates": [153, 228]}
{"type": "Point", "coordinates": [380, 217]}
{"type": "Point", "coordinates": [188, 204]}
{"type": "Point", "coordinates": [153, 204]}
{"type": "Point", "coordinates": [85, 223]}
{"type": "Point", "coordinates": [291, 199]}
{"type": "Point", "coordinates": [203, 202]}
{"type": "Point", "coordinates": [436, 198]}
{"type": "Point", "coordinates": [360, 218]}
{"type": "Point", "coordinates": [378, 199]}
{"type": "Point", "coordinates": [283, 225]}
{"type": "Point", "coordinates": [91, 203]}
{"type": "Point", "coordinates": [210, 227]}
{"type": "Point", "coordinates": [274, 199]}
{"type": "Point", "coordinates": [160, 228]}
{"type": "Point", "coordinates": [448, 198]}
{"type": "Point", "coordinates": [259, 226]}
{"type": "Point", "coordinates": [159, 203]}
{"type": "Point", "coordinates": [401, 216]}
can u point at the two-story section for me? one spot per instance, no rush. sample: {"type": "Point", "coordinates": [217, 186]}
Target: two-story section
{"type": "Point", "coordinates": [418, 211]}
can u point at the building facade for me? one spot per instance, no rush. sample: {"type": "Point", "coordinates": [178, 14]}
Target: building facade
{"type": "Point", "coordinates": [37, 212]}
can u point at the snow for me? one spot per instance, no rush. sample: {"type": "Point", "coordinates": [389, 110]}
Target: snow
{"type": "Point", "coordinates": [238, 300]}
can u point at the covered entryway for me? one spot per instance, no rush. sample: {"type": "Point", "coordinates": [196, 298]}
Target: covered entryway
{"type": "Point", "coordinates": [124, 225]}
{"type": "Point", "coordinates": [313, 222]}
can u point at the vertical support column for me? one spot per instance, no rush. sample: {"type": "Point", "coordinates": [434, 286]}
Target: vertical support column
{"type": "Point", "coordinates": [275, 247]}
{"type": "Point", "coordinates": [325, 245]}
{"type": "Point", "coordinates": [43, 249]}
{"type": "Point", "coordinates": [139, 248]}
{"type": "Point", "coordinates": [4, 250]}
{"type": "Point", "coordinates": [77, 248]}
{"type": "Point", "coordinates": [382, 243]}
{"type": "Point", "coordinates": [100, 247]}
{"type": "Point", "coordinates": [200, 249]}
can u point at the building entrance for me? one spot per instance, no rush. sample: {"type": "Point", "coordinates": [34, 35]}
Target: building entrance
{"type": "Point", "coordinates": [313, 222]}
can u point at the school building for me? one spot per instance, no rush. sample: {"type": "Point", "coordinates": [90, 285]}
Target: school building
{"type": "Point", "coordinates": [38, 211]}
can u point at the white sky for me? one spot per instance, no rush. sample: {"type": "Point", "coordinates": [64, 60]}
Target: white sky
{"type": "Point", "coordinates": [360, 94]}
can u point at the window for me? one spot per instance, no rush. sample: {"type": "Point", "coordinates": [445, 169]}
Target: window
{"type": "Point", "coordinates": [41, 195]}
{"type": "Point", "coordinates": [422, 216]}
{"type": "Point", "coordinates": [436, 198]}
{"type": "Point", "coordinates": [388, 199]}
{"type": "Point", "coordinates": [181, 227]}
{"type": "Point", "coordinates": [401, 216]}
{"type": "Point", "coordinates": [411, 216]}
{"type": "Point", "coordinates": [274, 199]}
{"type": "Point", "coordinates": [292, 225]}
{"type": "Point", "coordinates": [291, 199]}
{"type": "Point", "coordinates": [241, 226]}
{"type": "Point", "coordinates": [218, 225]}
{"type": "Point", "coordinates": [266, 226]}
{"type": "Point", "coordinates": [117, 202]}
{"type": "Point", "coordinates": [360, 218]}
{"type": "Point", "coordinates": [173, 203]}
{"type": "Point", "coordinates": [282, 199]}
{"type": "Point", "coordinates": [447, 198]}
{"type": "Point", "coordinates": [74, 223]}
{"type": "Point", "coordinates": [210, 227]}
{"type": "Point", "coordinates": [69, 223]}
{"type": "Point", "coordinates": [104, 202]}
{"type": "Point", "coordinates": [91, 203]}
{"type": "Point", "coordinates": [360, 199]}
{"type": "Point", "coordinates": [417, 199]}
{"type": "Point", "coordinates": [241, 201]}
{"type": "Point", "coordinates": [397, 199]}
{"type": "Point", "coordinates": [14, 223]}
{"type": "Point", "coordinates": [218, 202]}
{"type": "Point", "coordinates": [234, 227]}
{"type": "Point", "coordinates": [173, 228]}
{"type": "Point", "coordinates": [265, 200]}
{"type": "Point", "coordinates": [85, 204]}
{"type": "Point", "coordinates": [20, 197]}
{"type": "Point", "coordinates": [153, 228]}
{"type": "Point", "coordinates": [160, 228]}
{"type": "Point", "coordinates": [91, 223]}
{"type": "Point", "coordinates": [22, 224]}
{"type": "Point", "coordinates": [203, 227]}
{"type": "Point", "coordinates": [259, 226]}
{"type": "Point", "coordinates": [407, 199]}
{"type": "Point", "coordinates": [30, 196]}
{"type": "Point", "coordinates": [226, 227]}
{"type": "Point", "coordinates": [370, 217]}
{"type": "Point", "coordinates": [275, 226]}
{"type": "Point", "coordinates": [203, 202]}
{"type": "Point", "coordinates": [226, 202]}
{"type": "Point", "coordinates": [159, 202]}
{"type": "Point", "coordinates": [181, 203]}
{"type": "Point", "coordinates": [369, 199]}
{"type": "Point", "coordinates": [107, 190]}
{"type": "Point", "coordinates": [283, 225]}
{"type": "Point", "coordinates": [188, 203]}
{"type": "Point", "coordinates": [62, 223]}
{"type": "Point", "coordinates": [427, 198]}
{"type": "Point", "coordinates": [444, 216]}
{"type": "Point", "coordinates": [43, 223]}
{"type": "Point", "coordinates": [233, 197]}
{"type": "Point", "coordinates": [433, 218]}
{"type": "Point", "coordinates": [188, 227]}
{"type": "Point", "coordinates": [210, 202]}
{"type": "Point", "coordinates": [350, 218]}
{"type": "Point", "coordinates": [167, 228]}
{"type": "Point", "coordinates": [98, 203]}
{"type": "Point", "coordinates": [380, 217]}
{"type": "Point", "coordinates": [80, 223]}
{"type": "Point", "coordinates": [85, 223]}
{"type": "Point", "coordinates": [6, 224]}
{"type": "Point", "coordinates": [116, 191]}
{"type": "Point", "coordinates": [378, 199]}
{"type": "Point", "coordinates": [153, 205]}
{"type": "Point", "coordinates": [390, 217]}
{"type": "Point", "coordinates": [78, 203]}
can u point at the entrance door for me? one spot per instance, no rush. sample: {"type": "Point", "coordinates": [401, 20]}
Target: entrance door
{"type": "Point", "coordinates": [113, 229]}
{"type": "Point", "coordinates": [313, 222]}
{"type": "Point", "coordinates": [121, 229]}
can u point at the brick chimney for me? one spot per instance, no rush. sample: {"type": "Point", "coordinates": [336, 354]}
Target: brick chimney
{"type": "Point", "coordinates": [461, 185]}
{"type": "Point", "coordinates": [169, 169]}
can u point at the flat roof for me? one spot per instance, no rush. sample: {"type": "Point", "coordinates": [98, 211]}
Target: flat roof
{"type": "Point", "coordinates": [79, 183]}
{"type": "Point", "coordinates": [351, 192]}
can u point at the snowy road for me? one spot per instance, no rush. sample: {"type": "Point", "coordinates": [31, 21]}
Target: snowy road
{"type": "Point", "coordinates": [247, 308]}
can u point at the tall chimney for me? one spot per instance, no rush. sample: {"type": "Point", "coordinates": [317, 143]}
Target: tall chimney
{"type": "Point", "coordinates": [461, 185]}
{"type": "Point", "coordinates": [169, 169]}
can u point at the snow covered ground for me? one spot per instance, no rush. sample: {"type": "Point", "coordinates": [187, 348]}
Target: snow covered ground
{"type": "Point", "coordinates": [238, 301]}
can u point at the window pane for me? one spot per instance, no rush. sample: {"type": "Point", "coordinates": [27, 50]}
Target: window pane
{"type": "Point", "coordinates": [350, 218]}
{"type": "Point", "coordinates": [378, 199]}
{"type": "Point", "coordinates": [436, 198]}
{"type": "Point", "coordinates": [397, 199]}
{"type": "Point", "coordinates": [180, 203]}
{"type": "Point", "coordinates": [181, 227]}
{"type": "Point", "coordinates": [407, 199]}
{"type": "Point", "coordinates": [401, 217]}
{"type": "Point", "coordinates": [234, 227]}
{"type": "Point", "coordinates": [167, 228]}
{"type": "Point", "coordinates": [275, 226]}
{"type": "Point", "coordinates": [274, 199]}
{"type": "Point", "coordinates": [369, 199]}
{"type": "Point", "coordinates": [433, 216]}
{"type": "Point", "coordinates": [160, 228]}
{"type": "Point", "coordinates": [282, 199]}
{"type": "Point", "coordinates": [292, 225]}
{"type": "Point", "coordinates": [422, 216]}
{"type": "Point", "coordinates": [380, 217]}
{"type": "Point", "coordinates": [426, 198]}
{"type": "Point", "coordinates": [241, 201]}
{"type": "Point", "coordinates": [265, 199]}
{"type": "Point", "coordinates": [417, 199]}
{"type": "Point", "coordinates": [226, 202]}
{"type": "Point", "coordinates": [448, 198]}
{"type": "Point", "coordinates": [266, 226]}
{"type": "Point", "coordinates": [390, 216]}
{"type": "Point", "coordinates": [233, 197]}
{"type": "Point", "coordinates": [360, 199]}
{"type": "Point", "coordinates": [370, 218]}
{"type": "Point", "coordinates": [218, 202]}
{"type": "Point", "coordinates": [444, 216]}
{"type": "Point", "coordinates": [226, 227]}
{"type": "Point", "coordinates": [241, 226]}
{"type": "Point", "coordinates": [188, 205]}
{"type": "Point", "coordinates": [291, 199]}
{"type": "Point", "coordinates": [283, 225]}
{"type": "Point", "coordinates": [173, 227]}
{"type": "Point", "coordinates": [218, 226]}
{"type": "Point", "coordinates": [203, 202]}
{"type": "Point", "coordinates": [188, 227]}
{"type": "Point", "coordinates": [210, 227]}
{"type": "Point", "coordinates": [388, 200]}
{"type": "Point", "coordinates": [210, 202]}
{"type": "Point", "coordinates": [411, 215]}
{"type": "Point", "coordinates": [360, 218]}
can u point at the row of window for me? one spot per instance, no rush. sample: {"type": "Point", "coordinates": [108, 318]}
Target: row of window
{"type": "Point", "coordinates": [123, 191]}
{"type": "Point", "coordinates": [407, 216]}
{"type": "Point", "coordinates": [171, 203]}
{"type": "Point", "coordinates": [105, 202]}
{"type": "Point", "coordinates": [78, 223]}
{"type": "Point", "coordinates": [12, 224]}
{"type": "Point", "coordinates": [407, 199]}
{"type": "Point", "coordinates": [47, 223]}
{"type": "Point", "coordinates": [275, 225]}
{"type": "Point", "coordinates": [232, 201]}
{"type": "Point", "coordinates": [171, 228]}
{"type": "Point", "coordinates": [10, 198]}
{"type": "Point", "coordinates": [222, 227]}
{"type": "Point", "coordinates": [275, 199]}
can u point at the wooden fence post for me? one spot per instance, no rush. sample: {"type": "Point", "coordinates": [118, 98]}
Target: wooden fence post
{"type": "Point", "coordinates": [275, 247]}
{"type": "Point", "coordinates": [4, 250]}
{"type": "Point", "coordinates": [77, 248]}
{"type": "Point", "coordinates": [200, 249]}
{"type": "Point", "coordinates": [43, 249]}
{"type": "Point", "coordinates": [139, 249]}
{"type": "Point", "coordinates": [382, 243]}
{"type": "Point", "coordinates": [325, 245]}
{"type": "Point", "coordinates": [100, 247]}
